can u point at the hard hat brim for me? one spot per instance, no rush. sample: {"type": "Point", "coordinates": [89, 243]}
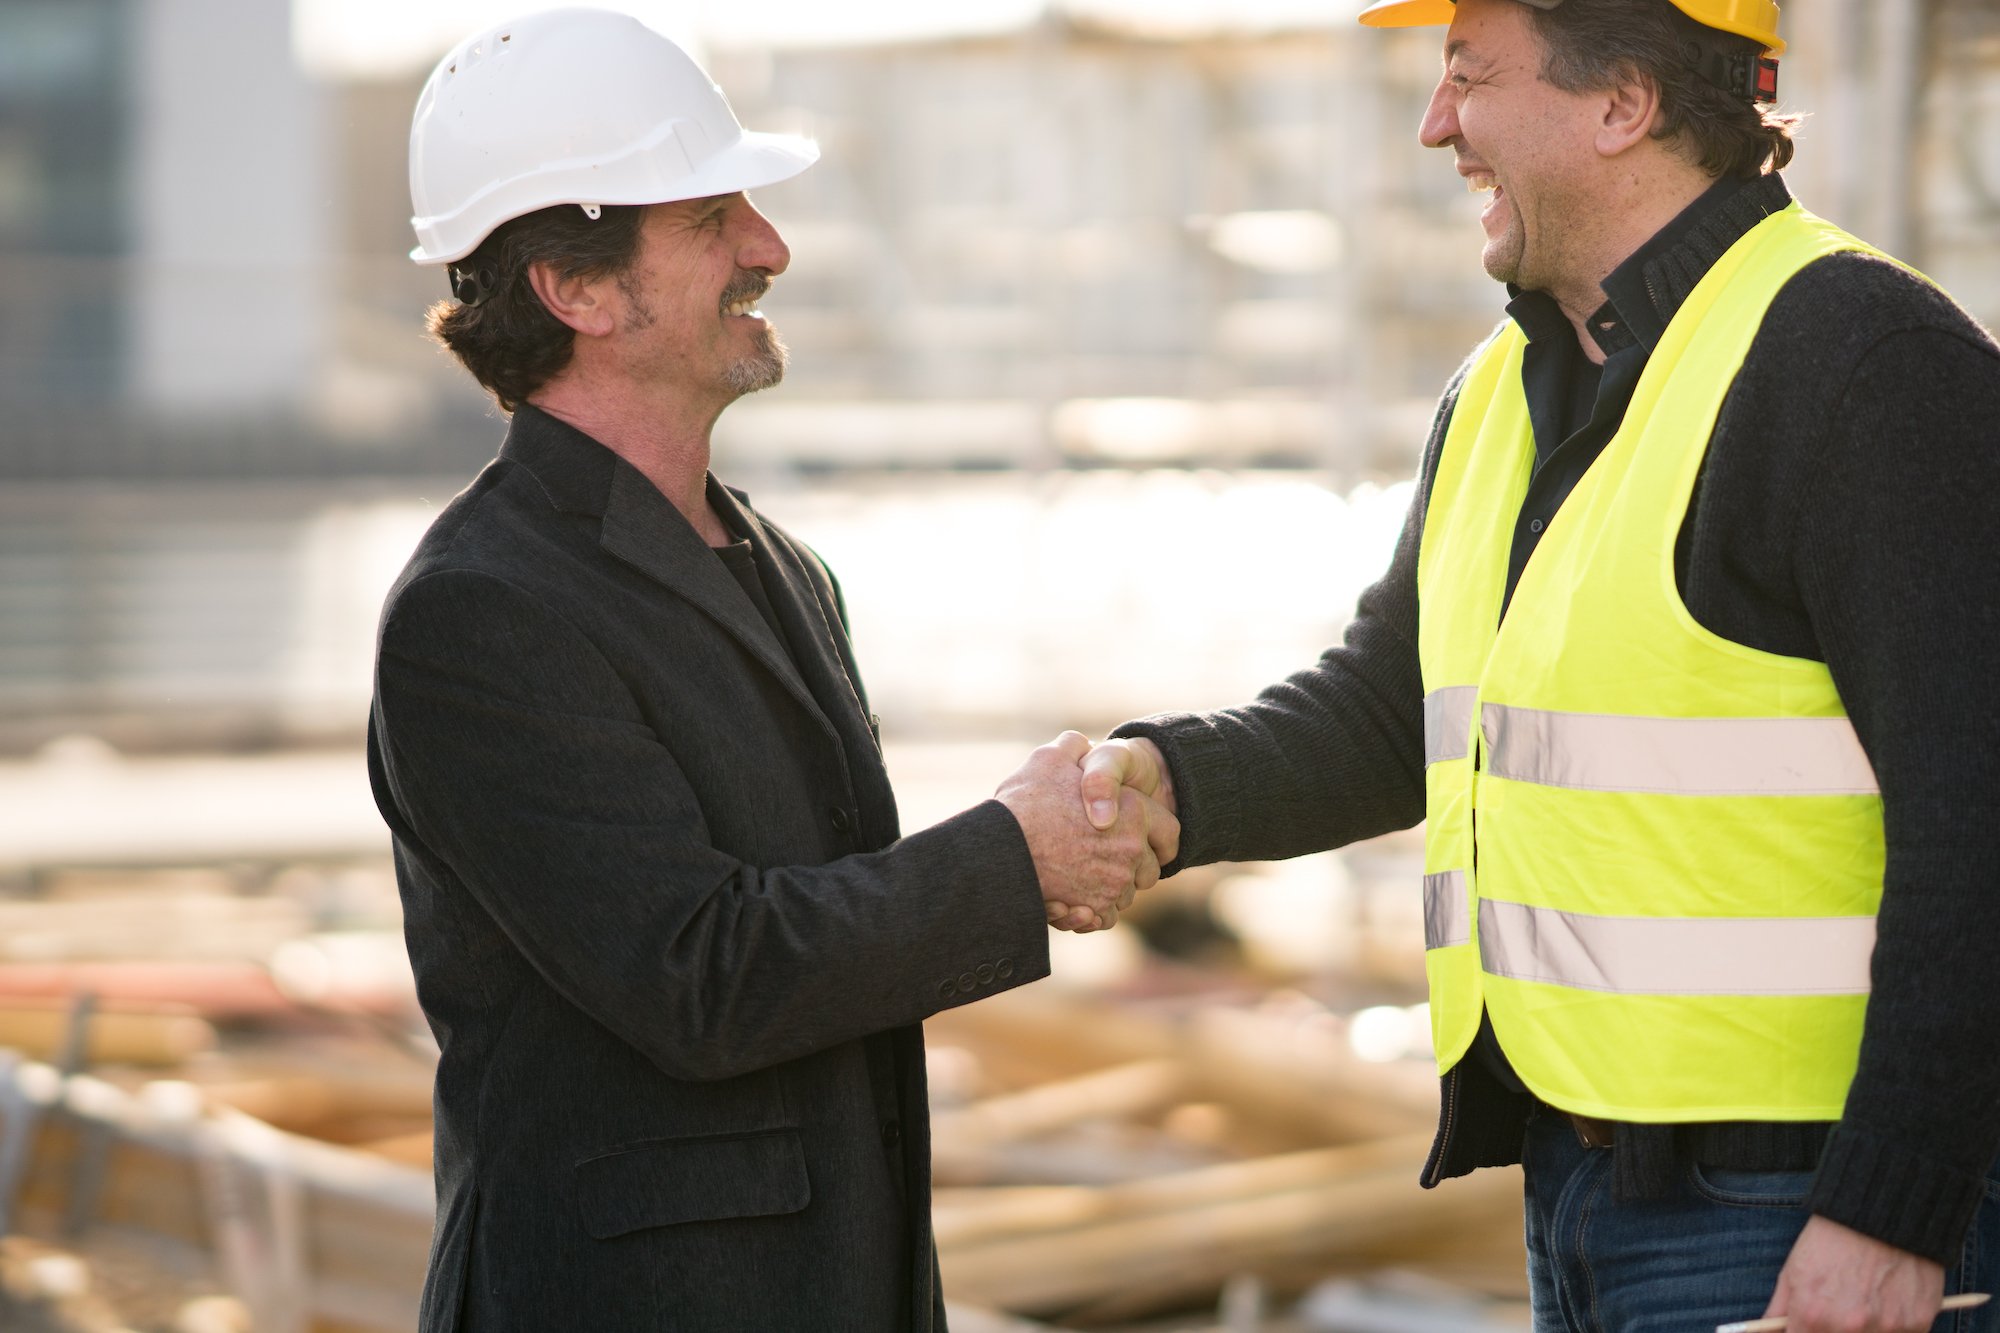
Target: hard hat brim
{"type": "Point", "coordinates": [755, 160]}
{"type": "Point", "coordinates": [1408, 13]}
{"type": "Point", "coordinates": [1755, 19]}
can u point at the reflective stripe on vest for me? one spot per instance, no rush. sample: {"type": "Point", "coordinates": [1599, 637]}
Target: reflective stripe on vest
{"type": "Point", "coordinates": [1677, 756]}
{"type": "Point", "coordinates": [1636, 955]}
{"type": "Point", "coordinates": [1448, 723]}
{"type": "Point", "coordinates": [1447, 914]}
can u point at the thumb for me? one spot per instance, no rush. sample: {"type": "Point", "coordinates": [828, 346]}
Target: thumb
{"type": "Point", "coordinates": [1103, 778]}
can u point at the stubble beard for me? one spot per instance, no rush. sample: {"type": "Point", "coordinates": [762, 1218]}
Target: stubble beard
{"type": "Point", "coordinates": [762, 369]}
{"type": "Point", "coordinates": [1504, 254]}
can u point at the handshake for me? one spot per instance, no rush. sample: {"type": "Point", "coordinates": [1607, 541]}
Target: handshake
{"type": "Point", "coordinates": [1099, 821]}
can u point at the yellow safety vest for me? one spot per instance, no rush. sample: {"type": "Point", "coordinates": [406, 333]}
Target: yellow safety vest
{"type": "Point", "coordinates": [1653, 855]}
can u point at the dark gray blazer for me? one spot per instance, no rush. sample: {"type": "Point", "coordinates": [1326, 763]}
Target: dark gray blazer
{"type": "Point", "coordinates": [663, 926]}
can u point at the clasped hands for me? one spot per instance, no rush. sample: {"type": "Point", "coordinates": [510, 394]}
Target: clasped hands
{"type": "Point", "coordinates": [1099, 821]}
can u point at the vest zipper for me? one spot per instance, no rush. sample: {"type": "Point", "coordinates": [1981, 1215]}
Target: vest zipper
{"type": "Point", "coordinates": [1447, 1117]}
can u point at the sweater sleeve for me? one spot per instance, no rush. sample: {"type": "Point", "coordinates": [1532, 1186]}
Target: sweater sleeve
{"type": "Point", "coordinates": [1895, 566]}
{"type": "Point", "coordinates": [1328, 756]}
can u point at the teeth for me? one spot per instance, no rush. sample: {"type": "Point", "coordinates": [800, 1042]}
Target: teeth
{"type": "Point", "coordinates": [748, 307]}
{"type": "Point", "coordinates": [1480, 182]}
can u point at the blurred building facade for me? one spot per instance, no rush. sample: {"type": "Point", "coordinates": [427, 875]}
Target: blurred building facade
{"type": "Point", "coordinates": [167, 195]}
{"type": "Point", "coordinates": [1091, 241]}
{"type": "Point", "coordinates": [66, 125]}
{"type": "Point", "coordinates": [1078, 242]}
{"type": "Point", "coordinates": [1088, 240]}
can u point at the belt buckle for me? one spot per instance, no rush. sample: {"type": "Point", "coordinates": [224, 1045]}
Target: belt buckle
{"type": "Point", "coordinates": [1593, 1133]}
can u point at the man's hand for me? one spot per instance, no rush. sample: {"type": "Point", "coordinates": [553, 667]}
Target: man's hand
{"type": "Point", "coordinates": [1135, 763]}
{"type": "Point", "coordinates": [1840, 1281]}
{"type": "Point", "coordinates": [1088, 875]}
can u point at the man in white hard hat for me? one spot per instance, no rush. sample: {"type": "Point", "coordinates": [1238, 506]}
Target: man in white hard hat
{"type": "Point", "coordinates": [672, 947]}
{"type": "Point", "coordinates": [1685, 659]}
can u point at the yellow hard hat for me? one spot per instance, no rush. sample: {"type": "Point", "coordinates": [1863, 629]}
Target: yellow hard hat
{"type": "Point", "coordinates": [1755, 19]}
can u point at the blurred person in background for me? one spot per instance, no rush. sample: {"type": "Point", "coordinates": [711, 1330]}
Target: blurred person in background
{"type": "Point", "coordinates": [663, 925]}
{"type": "Point", "coordinates": [1684, 657]}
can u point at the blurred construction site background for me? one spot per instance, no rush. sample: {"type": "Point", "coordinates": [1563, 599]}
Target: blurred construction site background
{"type": "Point", "coordinates": [1101, 313]}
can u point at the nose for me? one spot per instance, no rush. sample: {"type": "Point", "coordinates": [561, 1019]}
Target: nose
{"type": "Point", "coordinates": [758, 245]}
{"type": "Point", "coordinates": [1440, 123]}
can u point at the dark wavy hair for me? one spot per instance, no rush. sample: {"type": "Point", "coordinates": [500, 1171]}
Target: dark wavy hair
{"type": "Point", "coordinates": [1595, 44]}
{"type": "Point", "coordinates": [509, 340]}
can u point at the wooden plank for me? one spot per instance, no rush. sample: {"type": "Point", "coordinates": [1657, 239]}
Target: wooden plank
{"type": "Point", "coordinates": [1139, 1088]}
{"type": "Point", "coordinates": [214, 988]}
{"type": "Point", "coordinates": [116, 1036]}
{"type": "Point", "coordinates": [302, 1102]}
{"type": "Point", "coordinates": [1214, 1231]}
{"type": "Point", "coordinates": [1297, 1070]}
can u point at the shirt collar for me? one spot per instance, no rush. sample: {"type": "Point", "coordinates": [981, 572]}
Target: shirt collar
{"type": "Point", "coordinates": [1644, 293]}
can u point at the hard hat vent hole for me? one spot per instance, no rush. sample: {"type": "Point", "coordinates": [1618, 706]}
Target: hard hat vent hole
{"type": "Point", "coordinates": [452, 70]}
{"type": "Point", "coordinates": [592, 211]}
{"type": "Point", "coordinates": [506, 36]}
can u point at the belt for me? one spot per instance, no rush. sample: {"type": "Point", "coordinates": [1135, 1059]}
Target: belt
{"type": "Point", "coordinates": [1592, 1132]}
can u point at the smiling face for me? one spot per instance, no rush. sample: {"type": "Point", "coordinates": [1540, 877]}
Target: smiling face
{"type": "Point", "coordinates": [689, 320]}
{"type": "Point", "coordinates": [1518, 137]}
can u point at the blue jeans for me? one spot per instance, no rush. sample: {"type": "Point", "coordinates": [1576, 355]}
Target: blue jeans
{"type": "Point", "coordinates": [1709, 1255]}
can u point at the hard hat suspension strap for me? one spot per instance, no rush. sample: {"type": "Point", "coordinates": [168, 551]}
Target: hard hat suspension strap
{"type": "Point", "coordinates": [473, 286]}
{"type": "Point", "coordinates": [1754, 78]}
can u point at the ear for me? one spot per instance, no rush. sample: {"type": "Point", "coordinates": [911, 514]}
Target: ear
{"type": "Point", "coordinates": [1631, 110]}
{"type": "Point", "coordinates": [578, 302]}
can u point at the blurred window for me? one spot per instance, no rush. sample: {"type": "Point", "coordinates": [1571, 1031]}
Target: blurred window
{"type": "Point", "coordinates": [65, 112]}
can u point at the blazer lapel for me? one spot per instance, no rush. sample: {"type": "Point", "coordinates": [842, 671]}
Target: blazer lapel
{"type": "Point", "coordinates": [642, 528]}
{"type": "Point", "coordinates": [807, 626]}
{"type": "Point", "coordinates": [819, 645]}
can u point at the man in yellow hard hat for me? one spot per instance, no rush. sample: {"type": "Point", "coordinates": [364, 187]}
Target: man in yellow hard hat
{"type": "Point", "coordinates": [1684, 658]}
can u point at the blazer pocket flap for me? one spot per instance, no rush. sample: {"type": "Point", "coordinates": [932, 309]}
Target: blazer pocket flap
{"type": "Point", "coordinates": [670, 1181]}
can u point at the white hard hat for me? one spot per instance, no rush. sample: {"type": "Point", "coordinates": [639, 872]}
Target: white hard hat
{"type": "Point", "coordinates": [574, 106]}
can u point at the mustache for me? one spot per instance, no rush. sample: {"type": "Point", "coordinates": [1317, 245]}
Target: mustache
{"type": "Point", "coordinates": [748, 287]}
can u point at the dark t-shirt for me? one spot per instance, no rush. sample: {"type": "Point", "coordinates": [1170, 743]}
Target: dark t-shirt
{"type": "Point", "coordinates": [741, 562]}
{"type": "Point", "coordinates": [740, 559]}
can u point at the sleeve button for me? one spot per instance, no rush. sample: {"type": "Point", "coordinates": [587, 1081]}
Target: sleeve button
{"type": "Point", "coordinates": [966, 983]}
{"type": "Point", "coordinates": [839, 819]}
{"type": "Point", "coordinates": [985, 973]}
{"type": "Point", "coordinates": [1004, 968]}
{"type": "Point", "coordinates": [947, 988]}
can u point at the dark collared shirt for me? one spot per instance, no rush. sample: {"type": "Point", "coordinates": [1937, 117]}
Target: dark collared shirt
{"type": "Point", "coordinates": [1577, 406]}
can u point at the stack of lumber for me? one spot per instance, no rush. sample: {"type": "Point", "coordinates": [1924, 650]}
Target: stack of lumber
{"type": "Point", "coordinates": [1097, 1160]}
{"type": "Point", "coordinates": [1150, 1154]}
{"type": "Point", "coordinates": [310, 1237]}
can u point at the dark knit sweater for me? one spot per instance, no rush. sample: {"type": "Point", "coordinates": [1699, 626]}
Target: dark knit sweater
{"type": "Point", "coordinates": [1845, 514]}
